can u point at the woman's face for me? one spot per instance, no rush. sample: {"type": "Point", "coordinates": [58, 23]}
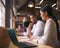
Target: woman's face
{"type": "Point", "coordinates": [33, 19]}
{"type": "Point", "coordinates": [43, 15]}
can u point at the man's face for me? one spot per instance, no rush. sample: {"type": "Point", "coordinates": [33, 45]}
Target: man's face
{"type": "Point", "coordinates": [33, 19]}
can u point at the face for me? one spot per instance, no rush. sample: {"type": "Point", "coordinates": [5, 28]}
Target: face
{"type": "Point", "coordinates": [43, 15]}
{"type": "Point", "coordinates": [19, 27]}
{"type": "Point", "coordinates": [33, 19]}
{"type": "Point", "coordinates": [24, 19]}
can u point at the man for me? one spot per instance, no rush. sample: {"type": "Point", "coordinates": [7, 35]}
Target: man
{"type": "Point", "coordinates": [36, 27]}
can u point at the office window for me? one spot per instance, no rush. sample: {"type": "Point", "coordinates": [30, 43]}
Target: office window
{"type": "Point", "coordinates": [4, 1]}
{"type": "Point", "coordinates": [2, 14]}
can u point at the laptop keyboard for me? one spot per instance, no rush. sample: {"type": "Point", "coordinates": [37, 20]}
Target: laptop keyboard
{"type": "Point", "coordinates": [27, 45]}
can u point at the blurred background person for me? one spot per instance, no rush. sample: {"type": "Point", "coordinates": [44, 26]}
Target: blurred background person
{"type": "Point", "coordinates": [21, 29]}
{"type": "Point", "coordinates": [26, 21]}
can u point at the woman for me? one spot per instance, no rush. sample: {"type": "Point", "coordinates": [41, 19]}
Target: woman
{"type": "Point", "coordinates": [36, 27]}
{"type": "Point", "coordinates": [50, 36]}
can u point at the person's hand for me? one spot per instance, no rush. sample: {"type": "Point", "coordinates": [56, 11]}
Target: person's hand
{"type": "Point", "coordinates": [30, 39]}
{"type": "Point", "coordinates": [29, 35]}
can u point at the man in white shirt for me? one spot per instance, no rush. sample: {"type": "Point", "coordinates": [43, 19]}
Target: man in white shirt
{"type": "Point", "coordinates": [36, 27]}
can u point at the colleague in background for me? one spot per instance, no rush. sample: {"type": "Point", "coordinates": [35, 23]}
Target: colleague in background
{"type": "Point", "coordinates": [36, 27]}
{"type": "Point", "coordinates": [26, 21]}
{"type": "Point", "coordinates": [20, 29]}
{"type": "Point", "coordinates": [50, 36]}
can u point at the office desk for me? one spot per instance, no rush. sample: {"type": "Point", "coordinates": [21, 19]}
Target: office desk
{"type": "Point", "coordinates": [39, 45]}
{"type": "Point", "coordinates": [5, 41]}
{"type": "Point", "coordinates": [11, 45]}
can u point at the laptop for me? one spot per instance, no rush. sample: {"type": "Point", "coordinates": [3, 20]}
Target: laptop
{"type": "Point", "coordinates": [19, 44]}
{"type": "Point", "coordinates": [27, 45]}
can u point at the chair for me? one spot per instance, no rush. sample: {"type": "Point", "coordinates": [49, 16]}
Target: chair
{"type": "Point", "coordinates": [4, 38]}
{"type": "Point", "coordinates": [15, 41]}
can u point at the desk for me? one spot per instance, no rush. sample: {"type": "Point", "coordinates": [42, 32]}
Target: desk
{"type": "Point", "coordinates": [11, 45]}
{"type": "Point", "coordinates": [5, 41]}
{"type": "Point", "coordinates": [39, 45]}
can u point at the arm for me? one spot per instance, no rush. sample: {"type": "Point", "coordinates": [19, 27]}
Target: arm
{"type": "Point", "coordinates": [48, 32]}
{"type": "Point", "coordinates": [29, 30]}
{"type": "Point", "coordinates": [39, 28]}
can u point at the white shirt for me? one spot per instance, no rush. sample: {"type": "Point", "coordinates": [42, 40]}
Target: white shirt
{"type": "Point", "coordinates": [50, 34]}
{"type": "Point", "coordinates": [38, 28]}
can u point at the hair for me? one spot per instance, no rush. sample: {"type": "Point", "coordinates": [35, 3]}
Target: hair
{"type": "Point", "coordinates": [33, 15]}
{"type": "Point", "coordinates": [36, 16]}
{"type": "Point", "coordinates": [51, 15]}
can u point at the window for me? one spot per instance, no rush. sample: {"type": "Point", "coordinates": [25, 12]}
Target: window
{"type": "Point", "coordinates": [2, 14]}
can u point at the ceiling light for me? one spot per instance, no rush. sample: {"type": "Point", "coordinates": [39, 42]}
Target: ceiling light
{"type": "Point", "coordinates": [18, 13]}
{"type": "Point", "coordinates": [53, 4]}
{"type": "Point", "coordinates": [31, 4]}
{"type": "Point", "coordinates": [37, 7]}
{"type": "Point", "coordinates": [56, 8]}
{"type": "Point", "coordinates": [40, 2]}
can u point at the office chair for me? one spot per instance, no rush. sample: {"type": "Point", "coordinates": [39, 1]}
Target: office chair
{"type": "Point", "coordinates": [4, 38]}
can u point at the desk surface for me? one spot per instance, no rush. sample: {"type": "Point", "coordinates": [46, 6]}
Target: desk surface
{"type": "Point", "coordinates": [19, 39]}
{"type": "Point", "coordinates": [39, 45]}
{"type": "Point", "coordinates": [5, 41]}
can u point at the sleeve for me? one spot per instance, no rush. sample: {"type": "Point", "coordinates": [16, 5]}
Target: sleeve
{"type": "Point", "coordinates": [32, 31]}
{"type": "Point", "coordinates": [47, 34]}
{"type": "Point", "coordinates": [38, 31]}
